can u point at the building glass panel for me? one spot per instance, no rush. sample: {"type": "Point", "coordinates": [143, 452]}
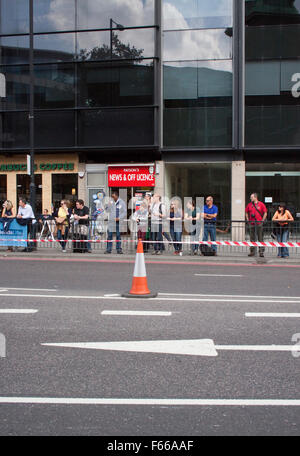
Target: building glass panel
{"type": "Point", "coordinates": [198, 75]}
{"type": "Point", "coordinates": [14, 49]}
{"type": "Point", "coordinates": [106, 84]}
{"type": "Point", "coordinates": [54, 86]}
{"type": "Point", "coordinates": [186, 14]}
{"type": "Point", "coordinates": [14, 130]}
{"type": "Point", "coordinates": [53, 16]}
{"type": "Point", "coordinates": [58, 47]}
{"type": "Point", "coordinates": [14, 16]}
{"type": "Point", "coordinates": [17, 88]}
{"type": "Point", "coordinates": [54, 129]}
{"type": "Point", "coordinates": [272, 89]}
{"type": "Point", "coordinates": [96, 14]}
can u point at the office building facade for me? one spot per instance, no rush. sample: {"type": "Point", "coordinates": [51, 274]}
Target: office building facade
{"type": "Point", "coordinates": [185, 97]}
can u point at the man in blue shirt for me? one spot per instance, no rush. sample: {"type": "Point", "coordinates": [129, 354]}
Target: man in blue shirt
{"type": "Point", "coordinates": [210, 213]}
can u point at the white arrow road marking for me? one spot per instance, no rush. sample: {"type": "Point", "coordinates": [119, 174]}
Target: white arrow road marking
{"type": "Point", "coordinates": [193, 347]}
{"type": "Point", "coordinates": [152, 402]}
{"type": "Point", "coordinates": [272, 315]}
{"type": "Point", "coordinates": [201, 347]}
{"type": "Point", "coordinates": [18, 311]}
{"type": "Point", "coordinates": [136, 313]}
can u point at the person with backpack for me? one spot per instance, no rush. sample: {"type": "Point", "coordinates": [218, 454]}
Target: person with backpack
{"type": "Point", "coordinates": [282, 218]}
{"type": "Point", "coordinates": [256, 214]}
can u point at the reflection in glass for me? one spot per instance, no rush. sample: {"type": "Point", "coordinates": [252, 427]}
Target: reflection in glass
{"type": "Point", "coordinates": [17, 88]}
{"type": "Point", "coordinates": [53, 16]}
{"type": "Point", "coordinates": [14, 130]}
{"type": "Point", "coordinates": [112, 127]}
{"type": "Point", "coordinates": [186, 14]}
{"type": "Point", "coordinates": [96, 14]}
{"type": "Point", "coordinates": [272, 12]}
{"type": "Point", "coordinates": [14, 49]}
{"type": "Point", "coordinates": [3, 188]}
{"type": "Point", "coordinates": [198, 104]}
{"type": "Point", "coordinates": [14, 16]}
{"type": "Point", "coordinates": [54, 86]}
{"type": "Point", "coordinates": [54, 129]}
{"type": "Point", "coordinates": [119, 84]}
{"type": "Point", "coordinates": [128, 44]}
{"type": "Point", "coordinates": [272, 42]}
{"type": "Point", "coordinates": [54, 48]}
{"type": "Point", "coordinates": [197, 45]}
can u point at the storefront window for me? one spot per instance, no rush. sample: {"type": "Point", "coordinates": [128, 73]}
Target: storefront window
{"type": "Point", "coordinates": [200, 180]}
{"type": "Point", "coordinates": [64, 186]}
{"type": "Point", "coordinates": [23, 190]}
{"type": "Point", "coordinates": [3, 188]}
{"type": "Point", "coordinates": [275, 183]}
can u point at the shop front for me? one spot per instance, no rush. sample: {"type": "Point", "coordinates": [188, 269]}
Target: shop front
{"type": "Point", "coordinates": [56, 178]}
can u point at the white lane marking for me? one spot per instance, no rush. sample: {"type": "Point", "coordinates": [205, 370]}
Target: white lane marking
{"type": "Point", "coordinates": [2, 291]}
{"type": "Point", "coordinates": [219, 275]}
{"type": "Point", "coordinates": [136, 313]}
{"type": "Point", "coordinates": [31, 289]}
{"type": "Point", "coordinates": [272, 315]}
{"type": "Point", "coordinates": [227, 296]}
{"type": "Point", "coordinates": [201, 347]}
{"type": "Point", "coordinates": [111, 295]}
{"type": "Point", "coordinates": [152, 402]}
{"type": "Point", "coordinates": [211, 299]}
{"type": "Point", "coordinates": [192, 347]}
{"type": "Point", "coordinates": [18, 311]}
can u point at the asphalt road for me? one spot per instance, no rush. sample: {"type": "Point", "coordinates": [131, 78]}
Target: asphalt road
{"type": "Point", "coordinates": [73, 390]}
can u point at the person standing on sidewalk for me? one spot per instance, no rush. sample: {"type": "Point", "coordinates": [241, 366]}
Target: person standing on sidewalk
{"type": "Point", "coordinates": [117, 212]}
{"type": "Point", "coordinates": [210, 213]}
{"type": "Point", "coordinates": [157, 216]}
{"type": "Point", "coordinates": [283, 218]}
{"type": "Point", "coordinates": [175, 218]}
{"type": "Point", "coordinates": [256, 214]}
{"type": "Point", "coordinates": [192, 219]}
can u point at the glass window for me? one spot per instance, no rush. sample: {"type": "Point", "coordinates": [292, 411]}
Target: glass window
{"type": "Point", "coordinates": [17, 88]}
{"type": "Point", "coordinates": [54, 129]}
{"type": "Point", "coordinates": [97, 14]}
{"type": "Point", "coordinates": [64, 186]}
{"type": "Point", "coordinates": [54, 16]}
{"type": "Point", "coordinates": [117, 127]}
{"type": "Point", "coordinates": [14, 49]}
{"type": "Point", "coordinates": [14, 16]}
{"type": "Point", "coordinates": [198, 104]}
{"type": "Point", "coordinates": [187, 14]}
{"type": "Point", "coordinates": [116, 85]}
{"type": "Point", "coordinates": [3, 188]}
{"type": "Point", "coordinates": [54, 48]}
{"type": "Point", "coordinates": [96, 180]}
{"type": "Point", "coordinates": [23, 190]}
{"type": "Point", "coordinates": [272, 12]}
{"type": "Point", "coordinates": [54, 86]}
{"type": "Point", "coordinates": [14, 130]}
{"type": "Point", "coordinates": [197, 45]}
{"type": "Point", "coordinates": [126, 44]}
{"type": "Point", "coordinates": [272, 42]}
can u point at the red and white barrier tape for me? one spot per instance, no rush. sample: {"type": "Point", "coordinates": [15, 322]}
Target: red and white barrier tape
{"type": "Point", "coordinates": [211, 243]}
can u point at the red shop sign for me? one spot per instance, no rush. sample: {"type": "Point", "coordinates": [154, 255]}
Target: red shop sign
{"type": "Point", "coordinates": [131, 176]}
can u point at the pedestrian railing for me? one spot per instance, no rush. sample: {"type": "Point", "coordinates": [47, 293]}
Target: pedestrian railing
{"type": "Point", "coordinates": [231, 234]}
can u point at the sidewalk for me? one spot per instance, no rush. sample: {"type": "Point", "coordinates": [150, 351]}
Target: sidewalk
{"type": "Point", "coordinates": [223, 257]}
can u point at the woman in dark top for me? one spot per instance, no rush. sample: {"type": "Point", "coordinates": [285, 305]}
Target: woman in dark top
{"type": "Point", "coordinates": [8, 213]}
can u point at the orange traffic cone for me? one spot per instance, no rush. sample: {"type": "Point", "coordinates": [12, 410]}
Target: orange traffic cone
{"type": "Point", "coordinates": [139, 288]}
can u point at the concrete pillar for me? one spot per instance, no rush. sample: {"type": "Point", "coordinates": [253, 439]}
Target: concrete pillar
{"type": "Point", "coordinates": [82, 183]}
{"type": "Point", "coordinates": [160, 179]}
{"type": "Point", "coordinates": [12, 189]}
{"type": "Point", "coordinates": [47, 191]}
{"type": "Point", "coordinates": [238, 191]}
